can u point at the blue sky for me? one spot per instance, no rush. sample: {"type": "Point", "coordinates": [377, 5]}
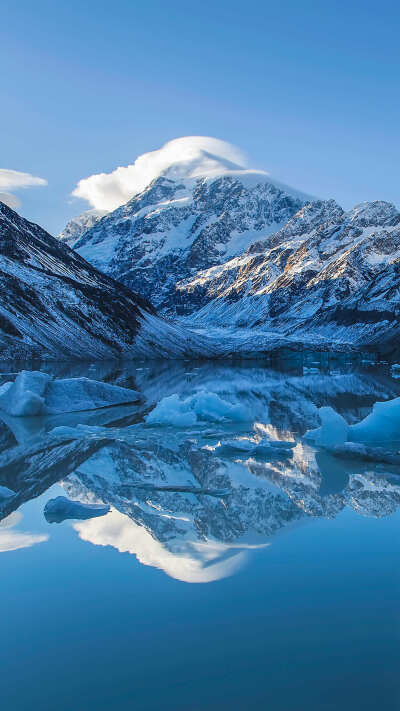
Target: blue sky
{"type": "Point", "coordinates": [309, 90]}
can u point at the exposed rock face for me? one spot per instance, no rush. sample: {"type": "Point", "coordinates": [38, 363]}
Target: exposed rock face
{"type": "Point", "coordinates": [78, 225]}
{"type": "Point", "coordinates": [238, 250]}
{"type": "Point", "coordinates": [326, 274]}
{"type": "Point", "coordinates": [176, 228]}
{"type": "Point", "coordinates": [54, 303]}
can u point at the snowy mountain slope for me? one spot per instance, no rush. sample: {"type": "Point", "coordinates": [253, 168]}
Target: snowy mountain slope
{"type": "Point", "coordinates": [78, 225]}
{"type": "Point", "coordinates": [54, 303]}
{"type": "Point", "coordinates": [222, 247]}
{"type": "Point", "coordinates": [326, 274]}
{"type": "Point", "coordinates": [184, 222]}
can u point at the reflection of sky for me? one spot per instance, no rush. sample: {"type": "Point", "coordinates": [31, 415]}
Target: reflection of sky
{"type": "Point", "coordinates": [11, 540]}
{"type": "Point", "coordinates": [189, 561]}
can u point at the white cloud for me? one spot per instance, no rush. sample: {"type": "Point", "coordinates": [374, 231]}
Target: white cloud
{"type": "Point", "coordinates": [186, 157]}
{"type": "Point", "coordinates": [10, 200]}
{"type": "Point", "coordinates": [14, 180]}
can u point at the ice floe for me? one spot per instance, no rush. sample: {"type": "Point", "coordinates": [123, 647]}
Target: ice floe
{"type": "Point", "coordinates": [270, 449]}
{"type": "Point", "coordinates": [382, 425]}
{"type": "Point", "coordinates": [375, 434]}
{"type": "Point", "coordinates": [202, 406]}
{"type": "Point", "coordinates": [37, 393]}
{"type": "Point", "coordinates": [333, 431]}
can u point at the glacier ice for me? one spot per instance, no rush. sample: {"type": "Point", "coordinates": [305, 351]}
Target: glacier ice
{"type": "Point", "coordinates": [272, 449]}
{"type": "Point", "coordinates": [36, 393]}
{"type": "Point", "coordinates": [24, 397]}
{"type": "Point", "coordinates": [333, 430]}
{"type": "Point", "coordinates": [61, 508]}
{"type": "Point", "coordinates": [382, 425]}
{"type": "Point", "coordinates": [202, 406]}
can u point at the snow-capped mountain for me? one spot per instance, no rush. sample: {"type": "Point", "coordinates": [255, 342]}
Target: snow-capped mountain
{"type": "Point", "coordinates": [327, 275]}
{"type": "Point", "coordinates": [54, 303]}
{"type": "Point", "coordinates": [78, 225]}
{"type": "Point", "coordinates": [180, 225]}
{"type": "Point", "coordinates": [222, 246]}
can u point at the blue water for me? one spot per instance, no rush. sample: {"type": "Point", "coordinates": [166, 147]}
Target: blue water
{"type": "Point", "coordinates": [120, 612]}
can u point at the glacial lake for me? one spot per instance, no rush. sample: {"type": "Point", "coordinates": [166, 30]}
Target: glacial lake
{"type": "Point", "coordinates": [274, 586]}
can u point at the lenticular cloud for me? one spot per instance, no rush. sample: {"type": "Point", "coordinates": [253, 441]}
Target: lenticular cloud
{"type": "Point", "coordinates": [181, 158]}
{"type": "Point", "coordinates": [12, 179]}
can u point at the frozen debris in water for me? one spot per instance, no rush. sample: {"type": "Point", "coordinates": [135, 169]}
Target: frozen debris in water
{"type": "Point", "coordinates": [61, 508]}
{"type": "Point", "coordinates": [270, 449]}
{"type": "Point", "coordinates": [333, 431]}
{"type": "Point", "coordinates": [25, 396]}
{"type": "Point", "coordinates": [202, 406]}
{"type": "Point", "coordinates": [36, 393]}
{"type": "Point", "coordinates": [382, 425]}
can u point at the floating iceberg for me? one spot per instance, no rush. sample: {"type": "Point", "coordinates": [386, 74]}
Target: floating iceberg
{"type": "Point", "coordinates": [381, 426]}
{"type": "Point", "coordinates": [202, 406]}
{"type": "Point", "coordinates": [61, 508]}
{"type": "Point", "coordinates": [36, 393]}
{"type": "Point", "coordinates": [333, 431]}
{"type": "Point", "coordinates": [272, 449]}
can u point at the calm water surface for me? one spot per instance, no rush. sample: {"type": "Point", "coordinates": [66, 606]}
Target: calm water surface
{"type": "Point", "coordinates": [278, 589]}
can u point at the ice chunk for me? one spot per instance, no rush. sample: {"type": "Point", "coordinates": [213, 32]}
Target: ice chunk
{"type": "Point", "coordinates": [202, 406]}
{"type": "Point", "coordinates": [36, 393]}
{"type": "Point", "coordinates": [173, 411]}
{"type": "Point", "coordinates": [5, 387]}
{"type": "Point", "coordinates": [25, 396]}
{"type": "Point", "coordinates": [382, 425]}
{"type": "Point", "coordinates": [74, 394]}
{"type": "Point", "coordinates": [333, 431]}
{"type": "Point", "coordinates": [272, 449]}
{"type": "Point", "coordinates": [61, 508]}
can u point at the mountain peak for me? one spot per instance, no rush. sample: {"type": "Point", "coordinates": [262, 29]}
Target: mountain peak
{"type": "Point", "coordinates": [376, 213]}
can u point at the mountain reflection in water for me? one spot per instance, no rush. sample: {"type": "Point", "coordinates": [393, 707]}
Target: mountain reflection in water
{"type": "Point", "coordinates": [149, 474]}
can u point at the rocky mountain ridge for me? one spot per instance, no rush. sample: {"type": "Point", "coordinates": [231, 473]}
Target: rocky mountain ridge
{"type": "Point", "coordinates": [239, 251]}
{"type": "Point", "coordinates": [177, 227]}
{"type": "Point", "coordinates": [53, 303]}
{"type": "Point", "coordinates": [327, 273]}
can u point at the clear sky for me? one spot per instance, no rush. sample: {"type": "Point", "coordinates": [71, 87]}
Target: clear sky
{"type": "Point", "coordinates": [310, 90]}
